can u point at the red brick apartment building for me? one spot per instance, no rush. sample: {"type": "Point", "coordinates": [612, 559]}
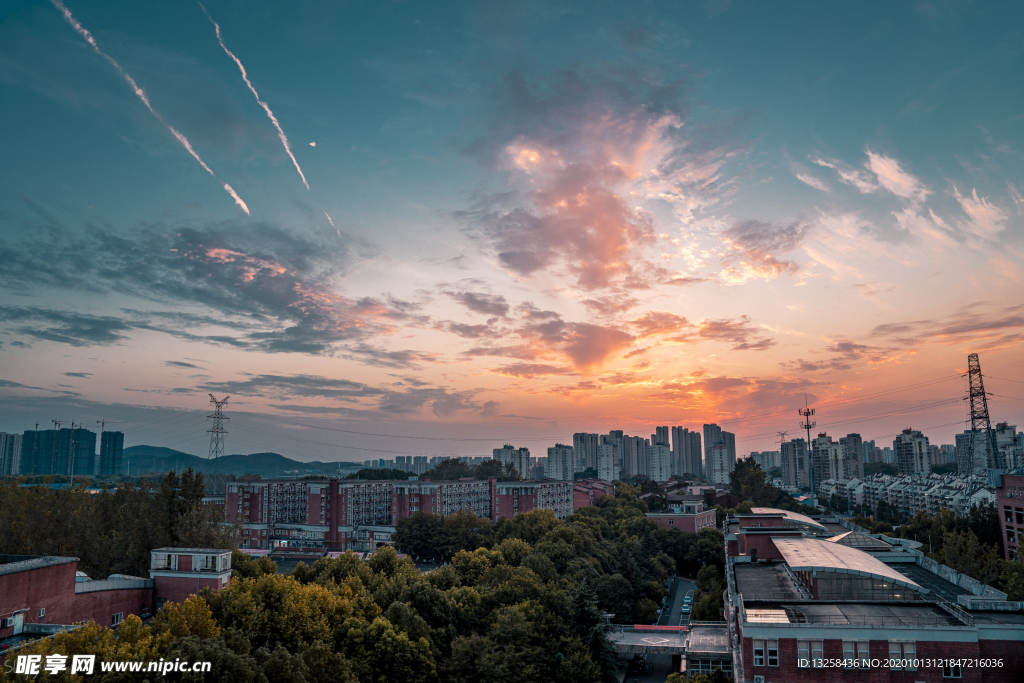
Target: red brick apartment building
{"type": "Point", "coordinates": [43, 595]}
{"type": "Point", "coordinates": [811, 602]}
{"type": "Point", "coordinates": [355, 514]}
{"type": "Point", "coordinates": [1010, 501]}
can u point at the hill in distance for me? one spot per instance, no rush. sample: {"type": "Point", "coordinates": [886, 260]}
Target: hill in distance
{"type": "Point", "coordinates": [156, 459]}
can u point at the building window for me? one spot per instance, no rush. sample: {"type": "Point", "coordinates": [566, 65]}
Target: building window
{"type": "Point", "coordinates": [903, 656]}
{"type": "Point", "coordinates": [118, 618]}
{"type": "Point", "coordinates": [1008, 515]}
{"type": "Point", "coordinates": [671, 522]}
{"type": "Point", "coordinates": [855, 654]}
{"type": "Point", "coordinates": [809, 653]}
{"type": "Point", "coordinates": [1010, 537]}
{"type": "Point", "coordinates": [950, 671]}
{"type": "Point", "coordinates": [758, 653]}
{"type": "Point", "coordinates": [773, 652]}
{"type": "Point", "coordinates": [42, 611]}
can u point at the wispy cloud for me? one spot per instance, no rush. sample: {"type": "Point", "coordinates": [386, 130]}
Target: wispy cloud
{"type": "Point", "coordinates": [755, 248]}
{"type": "Point", "coordinates": [893, 178]}
{"type": "Point", "coordinates": [850, 176]}
{"type": "Point", "coordinates": [266, 108]}
{"type": "Point", "coordinates": [985, 219]}
{"type": "Point", "coordinates": [140, 93]}
{"type": "Point", "coordinates": [816, 183]}
{"type": "Point", "coordinates": [1015, 195]}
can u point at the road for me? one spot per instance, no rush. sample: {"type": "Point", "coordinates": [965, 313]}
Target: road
{"type": "Point", "coordinates": [671, 616]}
{"type": "Point", "coordinates": [661, 665]}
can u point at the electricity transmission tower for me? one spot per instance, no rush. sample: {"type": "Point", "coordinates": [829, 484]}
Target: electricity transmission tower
{"type": "Point", "coordinates": [806, 423]}
{"type": "Point", "coordinates": [217, 432]}
{"type": "Point", "coordinates": [981, 425]}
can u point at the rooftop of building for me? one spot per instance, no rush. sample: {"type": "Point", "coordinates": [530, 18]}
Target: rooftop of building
{"type": "Point", "coordinates": [192, 551]}
{"type": "Point", "coordinates": [856, 539]}
{"type": "Point", "coordinates": [789, 515]}
{"type": "Point", "coordinates": [930, 580]}
{"type": "Point", "coordinates": [13, 564]}
{"type": "Point", "coordinates": [812, 554]}
{"type": "Point", "coordinates": [767, 581]}
{"type": "Point", "coordinates": [852, 613]}
{"type": "Point", "coordinates": [708, 639]}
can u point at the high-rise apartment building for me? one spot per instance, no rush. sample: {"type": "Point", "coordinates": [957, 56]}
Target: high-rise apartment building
{"type": "Point", "coordinates": [10, 453]}
{"type": "Point", "coordinates": [721, 464]}
{"type": "Point", "coordinates": [111, 453]}
{"type": "Point", "coordinates": [660, 436]}
{"type": "Point", "coordinates": [972, 457]}
{"type": "Point", "coordinates": [766, 460]}
{"type": "Point", "coordinates": [635, 455]}
{"type": "Point", "coordinates": [687, 454]}
{"type": "Point", "coordinates": [853, 456]}
{"type": "Point", "coordinates": [561, 462]}
{"type": "Point", "coordinates": [585, 447]}
{"type": "Point", "coordinates": [717, 466]}
{"type": "Point", "coordinates": [660, 462]}
{"type": "Point", "coordinates": [827, 459]}
{"type": "Point", "coordinates": [793, 461]}
{"type": "Point", "coordinates": [607, 462]}
{"type": "Point", "coordinates": [912, 455]}
{"type": "Point", "coordinates": [1009, 447]}
{"type": "Point", "coordinates": [519, 458]}
{"type": "Point", "coordinates": [64, 451]}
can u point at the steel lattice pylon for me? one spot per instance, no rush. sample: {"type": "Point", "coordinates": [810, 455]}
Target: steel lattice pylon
{"type": "Point", "coordinates": [218, 431]}
{"type": "Point", "coordinates": [980, 422]}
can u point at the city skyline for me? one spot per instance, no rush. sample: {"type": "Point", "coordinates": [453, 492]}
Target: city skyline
{"type": "Point", "coordinates": [652, 220]}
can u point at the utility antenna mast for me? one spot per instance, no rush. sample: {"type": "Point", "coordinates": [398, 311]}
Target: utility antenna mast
{"type": "Point", "coordinates": [218, 431]}
{"type": "Point", "coordinates": [807, 424]}
{"type": "Point", "coordinates": [980, 420]}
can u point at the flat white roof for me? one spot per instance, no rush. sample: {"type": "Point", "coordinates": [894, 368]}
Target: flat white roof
{"type": "Point", "coordinates": [792, 516]}
{"type": "Point", "coordinates": [812, 554]}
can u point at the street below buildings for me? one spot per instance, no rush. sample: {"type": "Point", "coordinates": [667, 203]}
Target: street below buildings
{"type": "Point", "coordinates": [672, 615]}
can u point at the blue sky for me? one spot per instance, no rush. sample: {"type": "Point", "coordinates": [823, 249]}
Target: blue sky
{"type": "Point", "coordinates": [523, 220]}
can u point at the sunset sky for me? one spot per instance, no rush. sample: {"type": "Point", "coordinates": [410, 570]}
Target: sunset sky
{"type": "Point", "coordinates": [523, 220]}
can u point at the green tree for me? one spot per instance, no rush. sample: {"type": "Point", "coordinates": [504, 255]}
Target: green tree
{"type": "Point", "coordinates": [747, 482]}
{"type": "Point", "coordinates": [244, 566]}
{"type": "Point", "coordinates": [381, 654]}
{"type": "Point", "coordinates": [449, 469]}
{"type": "Point", "coordinates": [1012, 576]}
{"type": "Point", "coordinates": [963, 552]}
{"type": "Point", "coordinates": [419, 534]}
{"type": "Point", "coordinates": [379, 474]}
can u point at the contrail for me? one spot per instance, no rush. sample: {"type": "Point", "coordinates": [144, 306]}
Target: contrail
{"type": "Point", "coordinates": [138, 91]}
{"type": "Point", "coordinates": [328, 218]}
{"type": "Point", "coordinates": [270, 114]}
{"type": "Point", "coordinates": [238, 200]}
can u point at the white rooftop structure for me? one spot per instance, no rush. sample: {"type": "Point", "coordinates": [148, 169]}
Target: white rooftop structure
{"type": "Point", "coordinates": [812, 555]}
{"type": "Point", "coordinates": [791, 516]}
